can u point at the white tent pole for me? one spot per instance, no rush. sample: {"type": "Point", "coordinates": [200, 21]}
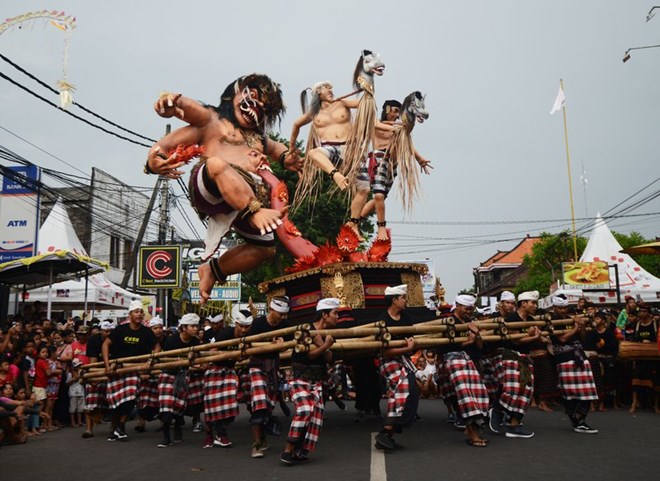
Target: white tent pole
{"type": "Point", "coordinates": [86, 284]}
{"type": "Point", "coordinates": [50, 286]}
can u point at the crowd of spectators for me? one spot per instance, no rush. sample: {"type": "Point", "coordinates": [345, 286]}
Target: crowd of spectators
{"type": "Point", "coordinates": [40, 365]}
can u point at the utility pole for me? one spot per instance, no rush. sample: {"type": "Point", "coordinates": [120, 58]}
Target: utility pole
{"type": "Point", "coordinates": [163, 228]}
{"type": "Point", "coordinates": [162, 188]}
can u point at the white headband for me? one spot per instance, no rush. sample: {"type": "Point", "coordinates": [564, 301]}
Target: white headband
{"type": "Point", "coordinates": [328, 303]}
{"type": "Point", "coordinates": [190, 319]}
{"type": "Point", "coordinates": [241, 319]}
{"type": "Point", "coordinates": [466, 300]}
{"type": "Point", "coordinates": [108, 325]}
{"type": "Point", "coordinates": [155, 321]}
{"type": "Point", "coordinates": [559, 301]}
{"type": "Point", "coordinates": [280, 305]}
{"type": "Point", "coordinates": [401, 290]}
{"type": "Point", "coordinates": [135, 305]}
{"type": "Point", "coordinates": [507, 296]}
{"type": "Point", "coordinates": [529, 296]}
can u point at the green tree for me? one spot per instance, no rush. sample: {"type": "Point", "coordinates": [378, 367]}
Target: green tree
{"type": "Point", "coordinates": [544, 264]}
{"type": "Point", "coordinates": [649, 262]}
{"type": "Point", "coordinates": [468, 290]}
{"type": "Point", "coordinates": [317, 221]}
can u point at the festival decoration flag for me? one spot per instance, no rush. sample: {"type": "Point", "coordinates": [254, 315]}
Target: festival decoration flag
{"type": "Point", "coordinates": [60, 20]}
{"type": "Point", "coordinates": [560, 101]}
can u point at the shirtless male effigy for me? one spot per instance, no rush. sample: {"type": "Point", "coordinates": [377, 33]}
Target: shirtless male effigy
{"type": "Point", "coordinates": [224, 185]}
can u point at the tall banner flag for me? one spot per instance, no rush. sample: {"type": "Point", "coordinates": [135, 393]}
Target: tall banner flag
{"type": "Point", "coordinates": [19, 212]}
{"type": "Point", "coordinates": [560, 101]}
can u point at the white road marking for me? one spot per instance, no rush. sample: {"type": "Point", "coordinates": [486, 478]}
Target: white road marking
{"type": "Point", "coordinates": [378, 471]}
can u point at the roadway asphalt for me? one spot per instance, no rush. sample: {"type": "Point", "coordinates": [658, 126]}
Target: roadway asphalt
{"type": "Point", "coordinates": [627, 448]}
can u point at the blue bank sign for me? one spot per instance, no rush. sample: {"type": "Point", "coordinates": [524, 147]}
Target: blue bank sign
{"type": "Point", "coordinates": [19, 212]}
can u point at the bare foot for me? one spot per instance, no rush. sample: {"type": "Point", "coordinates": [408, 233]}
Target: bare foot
{"type": "Point", "coordinates": [632, 410]}
{"type": "Point", "coordinates": [543, 406]}
{"type": "Point", "coordinates": [382, 233]}
{"type": "Point", "coordinates": [206, 281]}
{"type": "Point", "coordinates": [474, 439]}
{"type": "Point", "coordinates": [354, 227]}
{"type": "Point", "coordinates": [267, 220]}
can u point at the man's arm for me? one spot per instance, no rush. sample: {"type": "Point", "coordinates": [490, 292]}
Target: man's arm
{"type": "Point", "coordinates": [289, 158]}
{"type": "Point", "coordinates": [576, 327]}
{"type": "Point", "coordinates": [385, 126]}
{"type": "Point", "coordinates": [350, 103]}
{"type": "Point", "coordinates": [105, 350]}
{"type": "Point", "coordinates": [411, 346]}
{"type": "Point", "coordinates": [158, 161]}
{"type": "Point", "coordinates": [424, 164]}
{"type": "Point", "coordinates": [176, 105]}
{"type": "Point", "coordinates": [7, 345]}
{"type": "Point", "coordinates": [297, 125]}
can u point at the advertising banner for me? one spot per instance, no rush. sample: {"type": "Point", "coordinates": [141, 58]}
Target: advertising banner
{"type": "Point", "coordinates": [159, 267]}
{"type": "Point", "coordinates": [586, 275]}
{"type": "Point", "coordinates": [19, 213]}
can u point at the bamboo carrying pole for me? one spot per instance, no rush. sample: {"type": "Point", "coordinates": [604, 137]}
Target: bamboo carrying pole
{"type": "Point", "coordinates": [206, 347]}
{"type": "Point", "coordinates": [216, 357]}
{"type": "Point", "coordinates": [375, 336]}
{"type": "Point", "coordinates": [421, 343]}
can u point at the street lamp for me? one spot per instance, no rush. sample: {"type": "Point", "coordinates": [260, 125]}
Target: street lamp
{"type": "Point", "coordinates": [626, 55]}
{"type": "Point", "coordinates": [651, 14]}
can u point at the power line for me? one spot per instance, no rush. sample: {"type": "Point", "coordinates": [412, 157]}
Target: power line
{"type": "Point", "coordinates": [31, 92]}
{"type": "Point", "coordinates": [507, 222]}
{"type": "Point", "coordinates": [45, 85]}
{"type": "Point", "coordinates": [118, 211]}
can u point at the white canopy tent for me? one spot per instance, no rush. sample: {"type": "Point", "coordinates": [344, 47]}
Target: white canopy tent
{"type": "Point", "coordinates": [633, 279]}
{"type": "Point", "coordinates": [57, 233]}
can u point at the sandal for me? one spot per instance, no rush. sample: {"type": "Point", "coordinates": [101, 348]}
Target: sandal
{"type": "Point", "coordinates": [477, 443]}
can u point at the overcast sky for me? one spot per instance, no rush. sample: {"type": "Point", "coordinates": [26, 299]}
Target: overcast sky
{"type": "Point", "coordinates": [490, 71]}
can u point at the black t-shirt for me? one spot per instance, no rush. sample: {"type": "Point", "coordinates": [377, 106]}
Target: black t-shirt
{"type": "Point", "coordinates": [521, 348]}
{"type": "Point", "coordinates": [318, 364]}
{"type": "Point", "coordinates": [175, 342]}
{"type": "Point", "coordinates": [471, 350]}
{"type": "Point", "coordinates": [127, 342]}
{"type": "Point", "coordinates": [405, 320]}
{"type": "Point", "coordinates": [260, 326]}
{"type": "Point", "coordinates": [303, 358]}
{"type": "Point", "coordinates": [642, 333]}
{"type": "Point", "coordinates": [94, 344]}
{"type": "Point", "coordinates": [224, 334]}
{"type": "Point", "coordinates": [602, 342]}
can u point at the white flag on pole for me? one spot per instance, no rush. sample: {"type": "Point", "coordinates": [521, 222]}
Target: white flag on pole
{"type": "Point", "coordinates": [560, 101]}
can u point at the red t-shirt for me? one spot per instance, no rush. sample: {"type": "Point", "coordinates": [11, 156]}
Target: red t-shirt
{"type": "Point", "coordinates": [40, 376]}
{"type": "Point", "coordinates": [80, 352]}
{"type": "Point", "coordinates": [8, 379]}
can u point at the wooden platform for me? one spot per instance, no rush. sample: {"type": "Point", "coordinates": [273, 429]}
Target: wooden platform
{"type": "Point", "coordinates": [359, 285]}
